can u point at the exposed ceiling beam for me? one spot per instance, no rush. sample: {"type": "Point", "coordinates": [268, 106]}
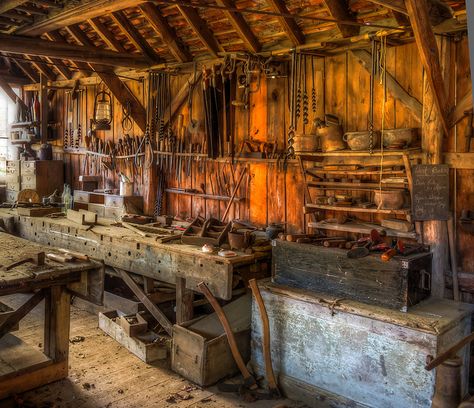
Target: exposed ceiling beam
{"type": "Point", "coordinates": [27, 69]}
{"type": "Point", "coordinates": [166, 32]}
{"type": "Point", "coordinates": [292, 29]}
{"type": "Point", "coordinates": [60, 67]}
{"type": "Point", "coordinates": [241, 26]}
{"type": "Point", "coordinates": [75, 13]}
{"type": "Point", "coordinates": [17, 16]}
{"type": "Point", "coordinates": [106, 35]}
{"type": "Point", "coordinates": [14, 79]}
{"type": "Point", "coordinates": [43, 68]}
{"type": "Point", "coordinates": [428, 49]}
{"type": "Point", "coordinates": [201, 29]}
{"type": "Point", "coordinates": [339, 10]}
{"type": "Point", "coordinates": [84, 68]}
{"type": "Point", "coordinates": [7, 5]}
{"type": "Point", "coordinates": [113, 82]}
{"type": "Point", "coordinates": [395, 5]}
{"type": "Point", "coordinates": [32, 10]}
{"type": "Point", "coordinates": [39, 47]}
{"type": "Point", "coordinates": [134, 36]}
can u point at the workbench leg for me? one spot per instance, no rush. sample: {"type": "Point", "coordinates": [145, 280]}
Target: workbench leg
{"type": "Point", "coordinates": [184, 302]}
{"type": "Point", "coordinates": [148, 285]}
{"type": "Point", "coordinates": [56, 324]}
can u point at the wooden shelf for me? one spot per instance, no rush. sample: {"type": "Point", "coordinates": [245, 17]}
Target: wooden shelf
{"type": "Point", "coordinates": [361, 229]}
{"type": "Point", "coordinates": [334, 185]}
{"type": "Point", "coordinates": [202, 195]}
{"type": "Point", "coordinates": [412, 151]}
{"type": "Point", "coordinates": [358, 209]}
{"type": "Point", "coordinates": [312, 171]}
{"type": "Point", "coordinates": [24, 124]}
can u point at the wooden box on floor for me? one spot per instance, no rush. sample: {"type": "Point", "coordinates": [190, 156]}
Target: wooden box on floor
{"type": "Point", "coordinates": [200, 351]}
{"type": "Point", "coordinates": [145, 347]}
{"type": "Point", "coordinates": [398, 284]}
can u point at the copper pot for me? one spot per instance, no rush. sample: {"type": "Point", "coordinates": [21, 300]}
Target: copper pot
{"type": "Point", "coordinates": [361, 140]}
{"type": "Point", "coordinates": [331, 138]}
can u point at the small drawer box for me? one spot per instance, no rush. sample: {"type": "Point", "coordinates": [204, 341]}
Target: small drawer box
{"type": "Point", "coordinates": [28, 167]}
{"type": "Point", "coordinates": [99, 209]}
{"type": "Point", "coordinates": [114, 212]}
{"type": "Point", "coordinates": [13, 186]}
{"type": "Point", "coordinates": [81, 196]}
{"type": "Point", "coordinates": [13, 167]}
{"type": "Point", "coordinates": [28, 179]}
{"type": "Point", "coordinates": [11, 196]}
{"type": "Point", "coordinates": [12, 178]}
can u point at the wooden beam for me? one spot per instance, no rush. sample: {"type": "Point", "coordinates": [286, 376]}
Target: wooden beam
{"type": "Point", "coordinates": [395, 5]}
{"type": "Point", "coordinates": [27, 69]}
{"type": "Point", "coordinates": [149, 305]}
{"type": "Point", "coordinates": [83, 67]}
{"type": "Point", "coordinates": [395, 89]}
{"type": "Point", "coordinates": [14, 79]}
{"type": "Point", "coordinates": [240, 26]}
{"type": "Point", "coordinates": [459, 112]}
{"type": "Point", "coordinates": [339, 10]}
{"type": "Point", "coordinates": [113, 82]}
{"type": "Point", "coordinates": [106, 35]}
{"type": "Point", "coordinates": [184, 302]}
{"type": "Point", "coordinates": [166, 32]}
{"type": "Point", "coordinates": [7, 5]}
{"type": "Point", "coordinates": [74, 13]}
{"type": "Point", "coordinates": [201, 29]}
{"type": "Point", "coordinates": [43, 68]}
{"type": "Point", "coordinates": [292, 29]}
{"type": "Point", "coordinates": [89, 54]}
{"type": "Point", "coordinates": [134, 36]}
{"type": "Point", "coordinates": [428, 49]}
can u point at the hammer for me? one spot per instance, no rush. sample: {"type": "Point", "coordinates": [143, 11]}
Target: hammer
{"type": "Point", "coordinates": [37, 259]}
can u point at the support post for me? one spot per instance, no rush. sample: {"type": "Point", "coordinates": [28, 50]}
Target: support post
{"type": "Point", "coordinates": [184, 301]}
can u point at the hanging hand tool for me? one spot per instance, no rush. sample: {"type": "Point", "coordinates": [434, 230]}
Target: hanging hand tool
{"type": "Point", "coordinates": [313, 89]}
{"type": "Point", "coordinates": [305, 94]}
{"type": "Point", "coordinates": [292, 95]}
{"type": "Point", "coordinates": [272, 384]}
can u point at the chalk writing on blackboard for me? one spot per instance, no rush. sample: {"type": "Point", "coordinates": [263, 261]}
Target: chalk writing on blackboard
{"type": "Point", "coordinates": [430, 195]}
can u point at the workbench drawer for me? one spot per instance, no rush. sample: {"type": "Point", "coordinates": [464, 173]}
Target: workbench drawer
{"type": "Point", "coordinates": [12, 178]}
{"type": "Point", "coordinates": [13, 167]}
{"type": "Point", "coordinates": [11, 196]}
{"type": "Point", "coordinates": [124, 201]}
{"type": "Point", "coordinates": [28, 167]}
{"type": "Point", "coordinates": [99, 209]}
{"type": "Point", "coordinates": [13, 186]}
{"type": "Point", "coordinates": [81, 196]}
{"type": "Point", "coordinates": [114, 212]}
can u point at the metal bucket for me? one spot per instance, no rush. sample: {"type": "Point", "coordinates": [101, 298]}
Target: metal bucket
{"type": "Point", "coordinates": [331, 138]}
{"type": "Point", "coordinates": [306, 143]}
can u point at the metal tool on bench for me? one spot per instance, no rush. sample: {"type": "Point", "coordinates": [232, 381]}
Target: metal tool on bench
{"type": "Point", "coordinates": [37, 259]}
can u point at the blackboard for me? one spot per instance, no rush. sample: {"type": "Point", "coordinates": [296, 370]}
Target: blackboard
{"type": "Point", "coordinates": [430, 195]}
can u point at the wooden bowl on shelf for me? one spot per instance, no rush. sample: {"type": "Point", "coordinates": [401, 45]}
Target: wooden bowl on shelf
{"type": "Point", "coordinates": [389, 199]}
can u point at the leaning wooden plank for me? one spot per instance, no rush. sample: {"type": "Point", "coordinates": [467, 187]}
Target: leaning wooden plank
{"type": "Point", "coordinates": [150, 306]}
{"type": "Point", "coordinates": [76, 216]}
{"type": "Point", "coordinates": [134, 229]}
{"type": "Point", "coordinates": [11, 321]}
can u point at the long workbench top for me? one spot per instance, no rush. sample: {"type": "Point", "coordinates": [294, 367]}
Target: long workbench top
{"type": "Point", "coordinates": [148, 256]}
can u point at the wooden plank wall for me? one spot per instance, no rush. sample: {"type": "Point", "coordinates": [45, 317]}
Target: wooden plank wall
{"type": "Point", "coordinates": [272, 194]}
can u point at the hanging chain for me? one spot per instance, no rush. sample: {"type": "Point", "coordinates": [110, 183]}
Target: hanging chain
{"type": "Point", "coordinates": [371, 107]}
{"type": "Point", "coordinates": [313, 90]}
{"type": "Point", "coordinates": [292, 94]}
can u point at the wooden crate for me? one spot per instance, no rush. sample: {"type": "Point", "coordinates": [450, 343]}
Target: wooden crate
{"type": "Point", "coordinates": [398, 284]}
{"type": "Point", "coordinates": [200, 351]}
{"type": "Point", "coordinates": [145, 346]}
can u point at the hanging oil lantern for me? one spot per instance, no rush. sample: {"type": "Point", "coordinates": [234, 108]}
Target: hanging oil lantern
{"type": "Point", "coordinates": [102, 110]}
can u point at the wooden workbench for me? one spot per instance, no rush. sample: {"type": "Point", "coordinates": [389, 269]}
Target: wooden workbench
{"type": "Point", "coordinates": [147, 256]}
{"type": "Point", "coordinates": [23, 367]}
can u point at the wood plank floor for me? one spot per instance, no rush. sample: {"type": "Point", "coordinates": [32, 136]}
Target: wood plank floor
{"type": "Point", "coordinates": [102, 374]}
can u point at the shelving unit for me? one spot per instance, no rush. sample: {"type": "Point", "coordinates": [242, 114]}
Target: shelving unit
{"type": "Point", "coordinates": [328, 174]}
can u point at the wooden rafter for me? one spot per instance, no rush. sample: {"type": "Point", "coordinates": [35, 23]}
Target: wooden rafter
{"type": "Point", "coordinates": [59, 64]}
{"type": "Point", "coordinates": [7, 5]}
{"type": "Point", "coordinates": [428, 49]}
{"type": "Point", "coordinates": [395, 5]}
{"type": "Point", "coordinates": [84, 68]}
{"type": "Point", "coordinates": [134, 36]}
{"type": "Point", "coordinates": [26, 68]}
{"type": "Point", "coordinates": [39, 47]}
{"type": "Point", "coordinates": [43, 68]}
{"type": "Point", "coordinates": [201, 29]}
{"type": "Point", "coordinates": [166, 32]}
{"type": "Point", "coordinates": [113, 82]}
{"type": "Point", "coordinates": [241, 26]}
{"type": "Point", "coordinates": [339, 10]}
{"type": "Point", "coordinates": [292, 29]}
{"type": "Point", "coordinates": [106, 35]}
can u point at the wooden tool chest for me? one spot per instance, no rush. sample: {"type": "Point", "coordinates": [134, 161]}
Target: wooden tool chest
{"type": "Point", "coordinates": [397, 284]}
{"type": "Point", "coordinates": [107, 205]}
{"type": "Point", "coordinates": [44, 176]}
